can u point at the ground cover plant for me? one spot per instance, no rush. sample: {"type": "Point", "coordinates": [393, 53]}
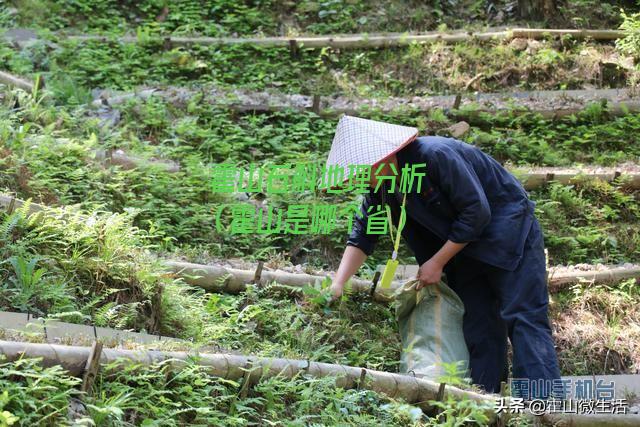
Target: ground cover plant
{"type": "Point", "coordinates": [97, 256]}
{"type": "Point", "coordinates": [74, 69]}
{"type": "Point", "coordinates": [49, 157]}
{"type": "Point", "coordinates": [222, 17]}
{"type": "Point", "coordinates": [158, 395]}
{"type": "Point", "coordinates": [266, 321]}
{"type": "Point", "coordinates": [97, 269]}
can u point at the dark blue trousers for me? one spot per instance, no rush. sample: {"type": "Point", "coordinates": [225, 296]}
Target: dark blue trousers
{"type": "Point", "coordinates": [500, 304]}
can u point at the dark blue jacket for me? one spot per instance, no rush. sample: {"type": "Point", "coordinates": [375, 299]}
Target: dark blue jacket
{"type": "Point", "coordinates": [466, 196]}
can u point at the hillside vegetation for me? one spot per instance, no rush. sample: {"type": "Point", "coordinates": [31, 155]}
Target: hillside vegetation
{"type": "Point", "coordinates": [97, 256]}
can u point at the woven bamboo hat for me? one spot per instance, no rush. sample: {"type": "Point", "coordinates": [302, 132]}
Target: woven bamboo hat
{"type": "Point", "coordinates": [366, 142]}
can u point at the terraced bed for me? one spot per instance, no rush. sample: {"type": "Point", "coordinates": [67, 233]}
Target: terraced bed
{"type": "Point", "coordinates": [139, 174]}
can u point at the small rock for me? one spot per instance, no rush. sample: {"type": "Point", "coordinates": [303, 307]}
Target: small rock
{"type": "Point", "coordinates": [519, 44]}
{"type": "Point", "coordinates": [108, 117]}
{"type": "Point", "coordinates": [459, 129]}
{"type": "Point", "coordinates": [20, 36]}
{"type": "Point", "coordinates": [24, 37]}
{"type": "Point", "coordinates": [620, 62]}
{"type": "Point", "coordinates": [533, 46]}
{"type": "Point", "coordinates": [76, 409]}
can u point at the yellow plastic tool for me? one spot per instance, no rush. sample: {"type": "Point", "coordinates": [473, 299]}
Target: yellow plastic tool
{"type": "Point", "coordinates": [392, 264]}
{"type": "Point", "coordinates": [389, 273]}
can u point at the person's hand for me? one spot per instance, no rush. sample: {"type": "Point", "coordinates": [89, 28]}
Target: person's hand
{"type": "Point", "coordinates": [336, 290]}
{"type": "Point", "coordinates": [429, 273]}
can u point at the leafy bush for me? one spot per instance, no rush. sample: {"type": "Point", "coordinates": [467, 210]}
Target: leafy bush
{"type": "Point", "coordinates": [630, 43]}
{"type": "Point", "coordinates": [160, 395]}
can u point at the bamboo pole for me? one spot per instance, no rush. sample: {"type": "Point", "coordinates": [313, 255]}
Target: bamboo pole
{"type": "Point", "coordinates": [557, 280]}
{"type": "Point", "coordinates": [360, 41]}
{"type": "Point", "coordinates": [532, 179]}
{"type": "Point", "coordinates": [57, 331]}
{"type": "Point", "coordinates": [12, 204]}
{"type": "Point", "coordinates": [228, 366]}
{"type": "Point", "coordinates": [538, 33]}
{"type": "Point", "coordinates": [222, 279]}
{"type": "Point", "coordinates": [19, 82]}
{"type": "Point", "coordinates": [417, 391]}
{"type": "Point", "coordinates": [232, 280]}
{"type": "Point", "coordinates": [347, 41]}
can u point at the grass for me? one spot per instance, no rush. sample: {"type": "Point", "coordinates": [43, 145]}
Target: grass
{"type": "Point", "coordinates": [73, 69]}
{"type": "Point", "coordinates": [158, 395]}
{"type": "Point", "coordinates": [48, 157]}
{"type": "Point", "coordinates": [96, 262]}
{"type": "Point", "coordinates": [597, 329]}
{"type": "Point", "coordinates": [590, 222]}
{"type": "Point", "coordinates": [98, 269]}
{"type": "Point", "coordinates": [223, 17]}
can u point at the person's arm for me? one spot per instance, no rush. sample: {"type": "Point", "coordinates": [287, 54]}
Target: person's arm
{"type": "Point", "coordinates": [359, 245]}
{"type": "Point", "coordinates": [461, 186]}
{"type": "Point", "coordinates": [352, 260]}
{"type": "Point", "coordinates": [431, 271]}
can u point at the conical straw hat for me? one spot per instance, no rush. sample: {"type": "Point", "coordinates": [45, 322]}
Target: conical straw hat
{"type": "Point", "coordinates": [366, 142]}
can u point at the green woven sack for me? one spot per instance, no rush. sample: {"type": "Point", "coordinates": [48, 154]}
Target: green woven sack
{"type": "Point", "coordinates": [430, 323]}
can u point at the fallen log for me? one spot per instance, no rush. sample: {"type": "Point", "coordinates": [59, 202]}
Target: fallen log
{"type": "Point", "coordinates": [19, 82]}
{"type": "Point", "coordinates": [359, 41]}
{"type": "Point", "coordinates": [417, 391]}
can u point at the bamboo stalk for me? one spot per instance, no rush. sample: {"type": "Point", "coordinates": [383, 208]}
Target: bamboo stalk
{"type": "Point", "coordinates": [537, 33]}
{"type": "Point", "coordinates": [347, 41]}
{"type": "Point", "coordinates": [533, 179]}
{"type": "Point", "coordinates": [607, 275]}
{"type": "Point", "coordinates": [12, 203]}
{"type": "Point", "coordinates": [221, 279]}
{"type": "Point", "coordinates": [224, 279]}
{"type": "Point", "coordinates": [232, 280]}
{"type": "Point", "coordinates": [19, 82]}
{"type": "Point", "coordinates": [417, 391]}
{"type": "Point", "coordinates": [361, 41]}
{"type": "Point", "coordinates": [407, 387]}
{"type": "Point", "coordinates": [55, 330]}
